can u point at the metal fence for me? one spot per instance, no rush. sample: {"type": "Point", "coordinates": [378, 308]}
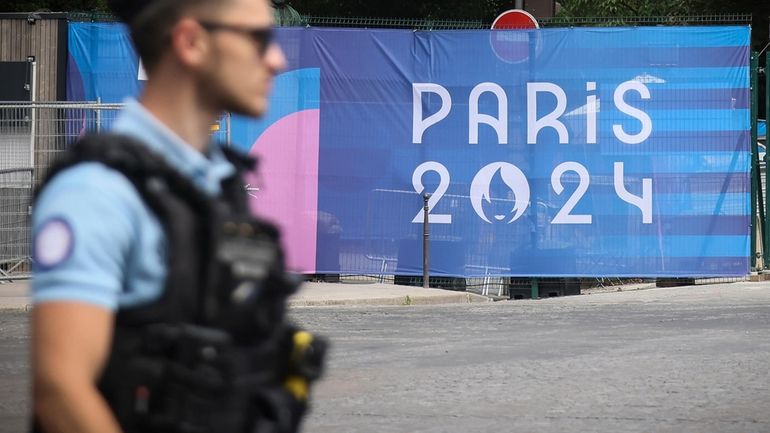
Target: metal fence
{"type": "Point", "coordinates": [383, 265]}
{"type": "Point", "coordinates": [32, 134]}
{"type": "Point", "coordinates": [446, 24]}
{"type": "Point", "coordinates": [559, 21]}
{"type": "Point", "coordinates": [15, 195]}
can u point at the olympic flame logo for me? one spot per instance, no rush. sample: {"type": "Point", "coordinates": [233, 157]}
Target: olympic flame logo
{"type": "Point", "coordinates": [513, 179]}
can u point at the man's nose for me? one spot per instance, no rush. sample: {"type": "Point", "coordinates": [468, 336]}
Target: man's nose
{"type": "Point", "coordinates": [275, 58]}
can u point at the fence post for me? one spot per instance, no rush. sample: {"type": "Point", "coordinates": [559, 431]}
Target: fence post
{"type": "Point", "coordinates": [98, 115]}
{"type": "Point", "coordinates": [33, 116]}
{"type": "Point", "coordinates": [766, 243]}
{"type": "Point", "coordinates": [227, 125]}
{"type": "Point", "coordinates": [754, 158]}
{"type": "Point", "coordinates": [761, 199]}
{"type": "Point", "coordinates": [425, 242]}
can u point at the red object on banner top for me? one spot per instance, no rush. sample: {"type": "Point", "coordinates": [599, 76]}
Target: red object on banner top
{"type": "Point", "coordinates": [515, 19]}
{"type": "Point", "coordinates": [515, 41]}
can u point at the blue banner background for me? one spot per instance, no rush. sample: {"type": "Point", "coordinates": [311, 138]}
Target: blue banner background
{"type": "Point", "coordinates": [697, 155]}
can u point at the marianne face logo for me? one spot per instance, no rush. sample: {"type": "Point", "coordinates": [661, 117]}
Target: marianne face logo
{"type": "Point", "coordinates": [513, 178]}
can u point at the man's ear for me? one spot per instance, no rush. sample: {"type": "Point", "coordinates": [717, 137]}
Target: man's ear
{"type": "Point", "coordinates": [189, 42]}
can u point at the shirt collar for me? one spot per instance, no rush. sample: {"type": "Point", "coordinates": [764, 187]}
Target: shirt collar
{"type": "Point", "coordinates": [206, 173]}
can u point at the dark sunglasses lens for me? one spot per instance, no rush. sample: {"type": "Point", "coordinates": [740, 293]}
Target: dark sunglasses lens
{"type": "Point", "coordinates": [263, 37]}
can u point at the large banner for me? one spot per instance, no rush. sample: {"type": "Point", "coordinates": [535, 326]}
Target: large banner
{"type": "Point", "coordinates": [555, 152]}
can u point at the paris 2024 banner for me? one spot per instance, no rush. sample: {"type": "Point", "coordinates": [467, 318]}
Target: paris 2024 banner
{"type": "Point", "coordinates": [552, 152]}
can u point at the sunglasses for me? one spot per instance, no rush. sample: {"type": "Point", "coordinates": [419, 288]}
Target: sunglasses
{"type": "Point", "coordinates": [262, 36]}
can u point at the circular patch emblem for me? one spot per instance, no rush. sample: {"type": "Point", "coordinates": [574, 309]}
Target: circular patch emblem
{"type": "Point", "coordinates": [53, 243]}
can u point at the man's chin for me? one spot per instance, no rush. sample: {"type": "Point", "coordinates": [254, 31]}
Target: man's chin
{"type": "Point", "coordinates": [256, 109]}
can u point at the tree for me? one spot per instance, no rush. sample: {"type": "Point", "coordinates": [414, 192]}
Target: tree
{"type": "Point", "coordinates": [623, 8]}
{"type": "Point", "coordinates": [626, 8]}
{"type": "Point", "coordinates": [484, 10]}
{"type": "Point", "coordinates": [53, 5]}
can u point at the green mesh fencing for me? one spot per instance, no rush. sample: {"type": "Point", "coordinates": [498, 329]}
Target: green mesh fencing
{"type": "Point", "coordinates": [293, 20]}
{"type": "Point", "coordinates": [422, 24]}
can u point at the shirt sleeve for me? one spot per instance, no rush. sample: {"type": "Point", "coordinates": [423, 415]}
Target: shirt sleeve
{"type": "Point", "coordinates": [83, 228]}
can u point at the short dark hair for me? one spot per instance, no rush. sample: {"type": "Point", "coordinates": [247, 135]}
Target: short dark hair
{"type": "Point", "coordinates": [150, 23]}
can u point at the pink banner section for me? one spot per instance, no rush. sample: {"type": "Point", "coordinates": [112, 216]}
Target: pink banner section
{"type": "Point", "coordinates": [285, 190]}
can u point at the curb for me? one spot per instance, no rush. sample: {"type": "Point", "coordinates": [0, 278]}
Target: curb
{"type": "Point", "coordinates": [15, 306]}
{"type": "Point", "coordinates": [404, 301]}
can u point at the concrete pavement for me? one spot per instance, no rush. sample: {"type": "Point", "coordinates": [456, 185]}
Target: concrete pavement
{"type": "Point", "coordinates": [15, 295]}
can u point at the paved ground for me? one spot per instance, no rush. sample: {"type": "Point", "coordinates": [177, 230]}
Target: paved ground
{"type": "Point", "coordinates": [14, 371]}
{"type": "Point", "coordinates": [693, 359]}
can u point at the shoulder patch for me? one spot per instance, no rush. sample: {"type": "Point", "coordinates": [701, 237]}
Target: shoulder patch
{"type": "Point", "coordinates": [53, 243]}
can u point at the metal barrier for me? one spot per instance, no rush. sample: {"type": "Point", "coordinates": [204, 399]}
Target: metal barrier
{"type": "Point", "coordinates": [15, 197]}
{"type": "Point", "coordinates": [32, 134]}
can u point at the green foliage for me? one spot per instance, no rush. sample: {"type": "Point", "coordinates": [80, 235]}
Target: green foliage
{"type": "Point", "coordinates": [626, 8]}
{"type": "Point", "coordinates": [53, 5]}
{"type": "Point", "coordinates": [623, 8]}
{"type": "Point", "coordinates": [285, 15]}
{"type": "Point", "coordinates": [640, 8]}
{"type": "Point", "coordinates": [484, 10]}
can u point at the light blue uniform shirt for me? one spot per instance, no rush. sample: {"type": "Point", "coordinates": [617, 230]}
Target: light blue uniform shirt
{"type": "Point", "coordinates": [94, 239]}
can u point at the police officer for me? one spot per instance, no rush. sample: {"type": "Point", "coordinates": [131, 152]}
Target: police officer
{"type": "Point", "coordinates": [105, 246]}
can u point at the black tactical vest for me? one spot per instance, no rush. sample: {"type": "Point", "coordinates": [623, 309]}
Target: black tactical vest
{"type": "Point", "coordinates": [215, 353]}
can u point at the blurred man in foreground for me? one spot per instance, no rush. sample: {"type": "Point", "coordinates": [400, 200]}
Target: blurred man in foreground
{"type": "Point", "coordinates": [159, 300]}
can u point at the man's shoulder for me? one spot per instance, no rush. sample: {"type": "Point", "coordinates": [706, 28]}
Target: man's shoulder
{"type": "Point", "coordinates": [91, 178]}
{"type": "Point", "coordinates": [90, 188]}
{"type": "Point", "coordinates": [87, 222]}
